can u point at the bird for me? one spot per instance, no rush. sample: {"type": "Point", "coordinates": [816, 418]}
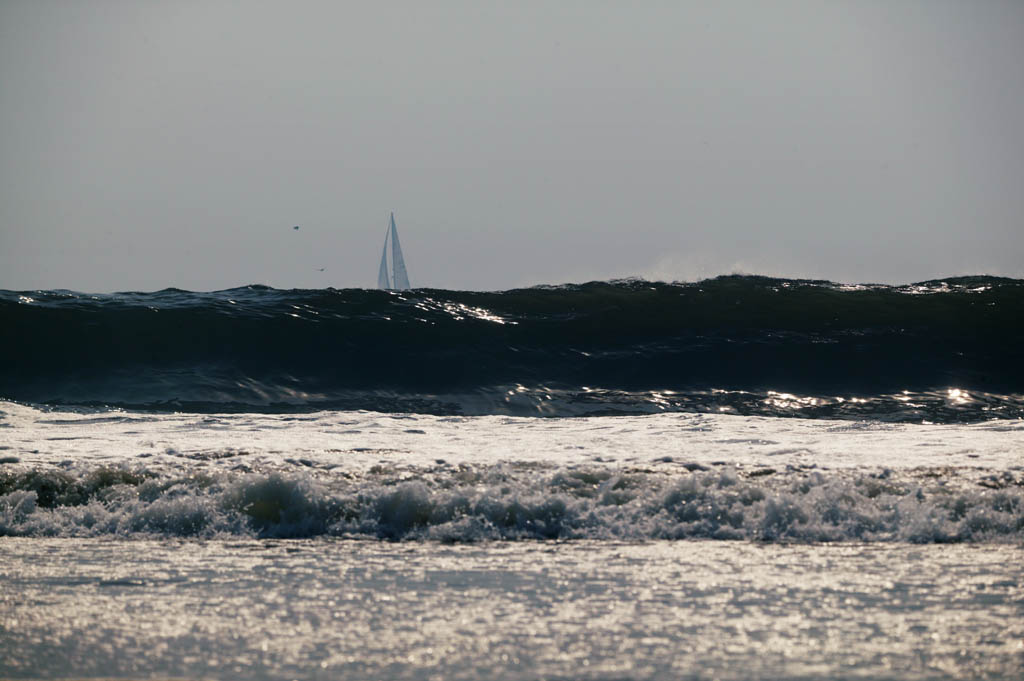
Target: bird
{"type": "Point", "coordinates": [295, 227]}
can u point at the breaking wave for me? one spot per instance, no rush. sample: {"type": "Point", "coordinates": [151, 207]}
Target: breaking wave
{"type": "Point", "coordinates": [946, 351]}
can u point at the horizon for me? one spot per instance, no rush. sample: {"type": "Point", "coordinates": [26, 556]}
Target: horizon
{"type": "Point", "coordinates": [567, 284]}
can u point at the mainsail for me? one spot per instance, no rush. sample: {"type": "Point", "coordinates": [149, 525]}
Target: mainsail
{"type": "Point", "coordinates": [395, 277]}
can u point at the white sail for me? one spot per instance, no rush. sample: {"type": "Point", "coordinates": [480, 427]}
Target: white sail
{"type": "Point", "coordinates": [396, 277]}
{"type": "Point", "coordinates": [383, 278]}
{"type": "Point", "coordinates": [401, 277]}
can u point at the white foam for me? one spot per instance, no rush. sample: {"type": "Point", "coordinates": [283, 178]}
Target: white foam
{"type": "Point", "coordinates": [469, 478]}
{"type": "Point", "coordinates": [360, 440]}
{"type": "Point", "coordinates": [505, 501]}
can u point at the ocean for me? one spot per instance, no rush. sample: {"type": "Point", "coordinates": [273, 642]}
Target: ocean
{"type": "Point", "coordinates": [737, 478]}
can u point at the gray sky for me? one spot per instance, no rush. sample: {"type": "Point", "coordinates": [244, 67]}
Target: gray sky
{"type": "Point", "coordinates": [153, 144]}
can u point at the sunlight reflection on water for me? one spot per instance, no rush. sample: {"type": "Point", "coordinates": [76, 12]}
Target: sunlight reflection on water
{"type": "Point", "coordinates": [349, 609]}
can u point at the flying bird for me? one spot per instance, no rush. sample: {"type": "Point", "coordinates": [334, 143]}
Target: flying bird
{"type": "Point", "coordinates": [295, 227]}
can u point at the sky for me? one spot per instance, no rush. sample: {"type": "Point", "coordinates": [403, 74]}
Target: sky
{"type": "Point", "coordinates": [146, 145]}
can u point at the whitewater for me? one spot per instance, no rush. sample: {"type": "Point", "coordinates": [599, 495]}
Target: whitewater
{"type": "Point", "coordinates": [607, 481]}
{"type": "Point", "coordinates": [391, 476]}
{"type": "Point", "coordinates": [369, 545]}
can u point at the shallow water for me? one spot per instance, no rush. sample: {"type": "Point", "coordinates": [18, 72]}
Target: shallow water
{"type": "Point", "coordinates": [344, 609]}
{"type": "Point", "coordinates": [146, 545]}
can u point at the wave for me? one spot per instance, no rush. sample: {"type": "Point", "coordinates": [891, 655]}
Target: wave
{"type": "Point", "coordinates": [521, 501]}
{"type": "Point", "coordinates": [631, 346]}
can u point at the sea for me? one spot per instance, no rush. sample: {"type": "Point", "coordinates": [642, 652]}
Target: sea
{"type": "Point", "coordinates": [737, 478]}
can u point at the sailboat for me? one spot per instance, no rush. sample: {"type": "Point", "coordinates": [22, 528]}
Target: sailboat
{"type": "Point", "coordinates": [394, 277]}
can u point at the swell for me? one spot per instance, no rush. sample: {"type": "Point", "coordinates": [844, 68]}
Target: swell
{"type": "Point", "coordinates": [521, 501]}
{"type": "Point", "coordinates": [452, 351]}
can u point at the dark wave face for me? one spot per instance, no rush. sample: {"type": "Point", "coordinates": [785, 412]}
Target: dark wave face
{"type": "Point", "coordinates": [945, 351]}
